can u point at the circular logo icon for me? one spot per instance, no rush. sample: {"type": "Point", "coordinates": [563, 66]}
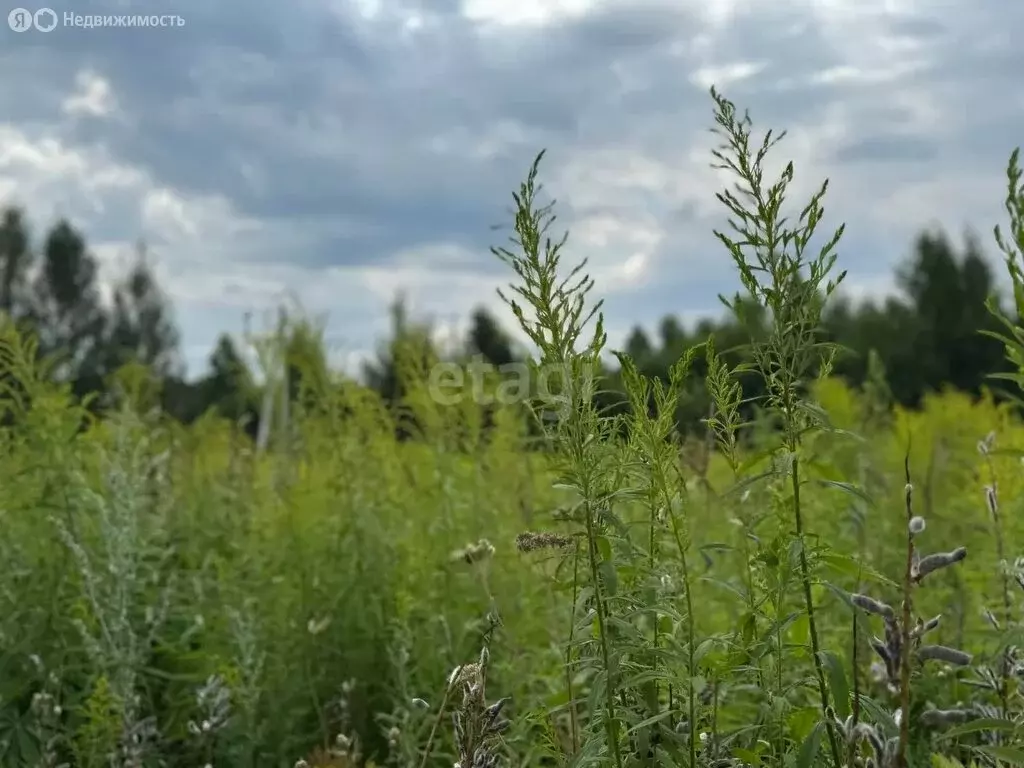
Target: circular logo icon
{"type": "Point", "coordinates": [20, 20]}
{"type": "Point", "coordinates": [45, 19]}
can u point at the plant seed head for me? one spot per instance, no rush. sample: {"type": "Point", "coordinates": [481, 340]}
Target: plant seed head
{"type": "Point", "coordinates": [991, 501]}
{"type": "Point", "coordinates": [932, 563]}
{"type": "Point", "coordinates": [952, 656]}
{"type": "Point", "coordinates": [937, 718]}
{"type": "Point", "coordinates": [870, 605]}
{"type": "Point", "coordinates": [530, 541]}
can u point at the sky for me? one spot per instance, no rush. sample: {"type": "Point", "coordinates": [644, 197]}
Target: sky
{"type": "Point", "coordinates": [336, 153]}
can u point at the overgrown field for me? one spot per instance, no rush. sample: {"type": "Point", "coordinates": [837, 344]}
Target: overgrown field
{"type": "Point", "coordinates": [175, 596]}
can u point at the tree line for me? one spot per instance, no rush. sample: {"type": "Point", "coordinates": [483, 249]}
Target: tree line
{"type": "Point", "coordinates": [926, 337]}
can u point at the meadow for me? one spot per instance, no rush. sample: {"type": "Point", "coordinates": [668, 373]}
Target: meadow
{"type": "Point", "coordinates": [819, 579]}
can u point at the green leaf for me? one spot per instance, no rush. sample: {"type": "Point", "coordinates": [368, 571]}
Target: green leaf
{"type": "Point", "coordinates": [609, 578]}
{"type": "Point", "coordinates": [982, 724]}
{"type": "Point", "coordinates": [703, 648]}
{"type": "Point", "coordinates": [825, 469]}
{"type": "Point", "coordinates": [809, 749]}
{"type": "Point", "coordinates": [1011, 755]}
{"type": "Point", "coordinates": [802, 721]}
{"type": "Point", "coordinates": [650, 721]}
{"type": "Point", "coordinates": [883, 719]}
{"type": "Point", "coordinates": [748, 482]}
{"type": "Point", "coordinates": [838, 683]}
{"type": "Point", "coordinates": [849, 566]}
{"type": "Point", "coordinates": [848, 488]}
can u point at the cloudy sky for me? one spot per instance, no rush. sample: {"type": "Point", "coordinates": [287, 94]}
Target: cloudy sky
{"type": "Point", "coordinates": [341, 151]}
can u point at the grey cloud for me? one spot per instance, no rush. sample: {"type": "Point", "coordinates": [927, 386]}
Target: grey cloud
{"type": "Point", "coordinates": [887, 148]}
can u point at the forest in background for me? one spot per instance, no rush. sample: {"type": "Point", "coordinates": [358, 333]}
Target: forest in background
{"type": "Point", "coordinates": [926, 338]}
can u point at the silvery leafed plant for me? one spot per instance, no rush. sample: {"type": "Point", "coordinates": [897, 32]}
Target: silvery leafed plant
{"type": "Point", "coordinates": [902, 646]}
{"type": "Point", "coordinates": [1000, 680]}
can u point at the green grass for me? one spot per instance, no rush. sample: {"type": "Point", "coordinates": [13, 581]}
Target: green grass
{"type": "Point", "coordinates": [178, 595]}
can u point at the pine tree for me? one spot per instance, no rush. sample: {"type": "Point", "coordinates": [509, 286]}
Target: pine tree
{"type": "Point", "coordinates": [141, 326]}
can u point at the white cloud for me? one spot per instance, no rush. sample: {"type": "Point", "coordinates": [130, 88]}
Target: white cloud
{"type": "Point", "coordinates": [93, 97]}
{"type": "Point", "coordinates": [534, 13]}
{"type": "Point", "coordinates": [726, 74]}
